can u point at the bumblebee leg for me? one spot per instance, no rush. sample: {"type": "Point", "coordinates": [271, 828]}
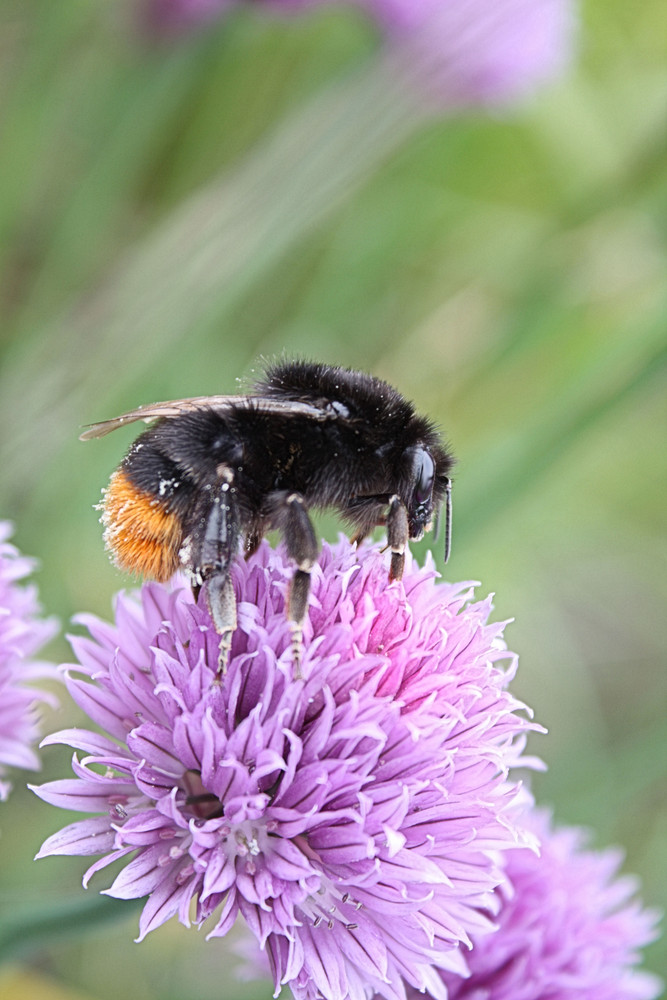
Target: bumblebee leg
{"type": "Point", "coordinates": [367, 513]}
{"type": "Point", "coordinates": [221, 602]}
{"type": "Point", "coordinates": [397, 536]}
{"type": "Point", "coordinates": [216, 550]}
{"type": "Point", "coordinates": [251, 543]}
{"type": "Point", "coordinates": [291, 517]}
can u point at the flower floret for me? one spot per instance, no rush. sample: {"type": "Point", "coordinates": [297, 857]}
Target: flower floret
{"type": "Point", "coordinates": [22, 633]}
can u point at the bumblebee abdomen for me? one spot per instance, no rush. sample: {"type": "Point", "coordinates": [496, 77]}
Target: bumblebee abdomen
{"type": "Point", "coordinates": [141, 533]}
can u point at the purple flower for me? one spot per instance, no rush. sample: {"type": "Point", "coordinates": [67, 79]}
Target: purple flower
{"type": "Point", "coordinates": [568, 927]}
{"type": "Point", "coordinates": [470, 52]}
{"type": "Point", "coordinates": [22, 633]}
{"type": "Point", "coordinates": [354, 818]}
{"type": "Point", "coordinates": [457, 52]}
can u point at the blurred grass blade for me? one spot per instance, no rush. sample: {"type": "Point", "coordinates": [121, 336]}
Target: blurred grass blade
{"type": "Point", "coordinates": [205, 257]}
{"type": "Point", "coordinates": [34, 926]}
{"type": "Point", "coordinates": [613, 374]}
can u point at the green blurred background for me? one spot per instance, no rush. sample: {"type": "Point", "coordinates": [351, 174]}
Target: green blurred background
{"type": "Point", "coordinates": [173, 212]}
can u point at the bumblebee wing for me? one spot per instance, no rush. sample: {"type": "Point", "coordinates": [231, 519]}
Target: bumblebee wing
{"type": "Point", "coordinates": [151, 411]}
{"type": "Point", "coordinates": [176, 407]}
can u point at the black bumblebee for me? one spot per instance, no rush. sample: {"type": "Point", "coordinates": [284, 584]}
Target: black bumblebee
{"type": "Point", "coordinates": [215, 471]}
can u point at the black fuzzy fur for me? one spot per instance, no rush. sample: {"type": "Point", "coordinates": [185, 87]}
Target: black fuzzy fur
{"type": "Point", "coordinates": [364, 451]}
{"type": "Point", "coordinates": [231, 468]}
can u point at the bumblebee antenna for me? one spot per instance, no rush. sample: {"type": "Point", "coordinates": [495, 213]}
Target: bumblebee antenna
{"type": "Point", "coordinates": [448, 519]}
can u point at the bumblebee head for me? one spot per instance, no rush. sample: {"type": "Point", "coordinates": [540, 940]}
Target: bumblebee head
{"type": "Point", "coordinates": [429, 489]}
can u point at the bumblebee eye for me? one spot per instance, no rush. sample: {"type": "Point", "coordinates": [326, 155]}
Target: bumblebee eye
{"type": "Point", "coordinates": [424, 476]}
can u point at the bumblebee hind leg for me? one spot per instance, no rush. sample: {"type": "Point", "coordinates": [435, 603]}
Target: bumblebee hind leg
{"type": "Point", "coordinates": [221, 603]}
{"type": "Point", "coordinates": [290, 515]}
{"type": "Point", "coordinates": [213, 545]}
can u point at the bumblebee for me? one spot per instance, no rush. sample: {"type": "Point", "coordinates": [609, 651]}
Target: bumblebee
{"type": "Point", "coordinates": [215, 473]}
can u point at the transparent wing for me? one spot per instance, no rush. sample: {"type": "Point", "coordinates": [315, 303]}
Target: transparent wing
{"type": "Point", "coordinates": [176, 407]}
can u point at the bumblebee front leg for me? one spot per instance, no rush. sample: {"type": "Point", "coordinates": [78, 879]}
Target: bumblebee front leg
{"type": "Point", "coordinates": [398, 533]}
{"type": "Point", "coordinates": [367, 512]}
{"type": "Point", "coordinates": [290, 516]}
